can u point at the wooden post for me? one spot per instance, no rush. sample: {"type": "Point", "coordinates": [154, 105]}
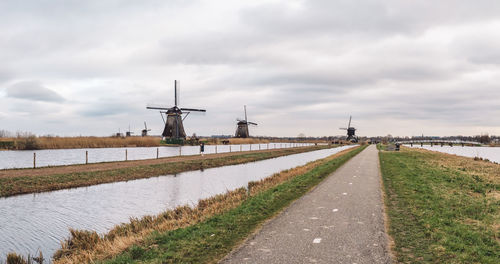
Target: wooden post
{"type": "Point", "coordinates": [180, 151]}
{"type": "Point", "coordinates": [215, 149]}
{"type": "Point", "coordinates": [240, 148]}
{"type": "Point", "coordinates": [259, 146]}
{"type": "Point", "coordinates": [126, 154]}
{"type": "Point", "coordinates": [229, 148]}
{"type": "Point", "coordinates": [86, 157]}
{"type": "Point", "coordinates": [34, 160]}
{"type": "Point", "coordinates": [250, 147]}
{"type": "Point", "coordinates": [157, 153]}
{"type": "Point", "coordinates": [267, 145]}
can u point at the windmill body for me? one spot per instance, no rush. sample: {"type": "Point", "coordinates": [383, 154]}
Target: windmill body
{"type": "Point", "coordinates": [351, 132]}
{"type": "Point", "coordinates": [145, 131]}
{"type": "Point", "coordinates": [173, 123]}
{"type": "Point", "coordinates": [242, 126]}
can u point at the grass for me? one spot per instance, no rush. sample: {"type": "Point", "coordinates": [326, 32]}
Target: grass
{"type": "Point", "coordinates": [442, 208]}
{"type": "Point", "coordinates": [203, 234]}
{"type": "Point", "coordinates": [25, 184]}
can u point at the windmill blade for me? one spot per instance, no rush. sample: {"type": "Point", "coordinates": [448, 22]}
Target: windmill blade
{"type": "Point", "coordinates": [177, 87]}
{"type": "Point", "coordinates": [350, 117]}
{"type": "Point", "coordinates": [245, 112]}
{"type": "Point", "coordinates": [193, 110]}
{"type": "Point", "coordinates": [252, 123]}
{"type": "Point", "coordinates": [145, 126]}
{"type": "Point", "coordinates": [158, 108]}
{"type": "Point", "coordinates": [342, 128]}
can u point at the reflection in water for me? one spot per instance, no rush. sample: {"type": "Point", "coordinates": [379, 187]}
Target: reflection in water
{"type": "Point", "coordinates": [491, 153]}
{"type": "Point", "coordinates": [39, 221]}
{"type": "Point", "coordinates": [56, 157]}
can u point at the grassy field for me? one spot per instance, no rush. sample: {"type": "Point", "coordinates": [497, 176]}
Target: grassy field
{"type": "Point", "coordinates": [204, 234]}
{"type": "Point", "coordinates": [442, 208]}
{"type": "Point", "coordinates": [29, 184]}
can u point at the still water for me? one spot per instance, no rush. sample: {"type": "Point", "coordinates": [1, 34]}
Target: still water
{"type": "Point", "coordinates": [57, 157]}
{"type": "Point", "coordinates": [491, 153]}
{"type": "Point", "coordinates": [40, 221]}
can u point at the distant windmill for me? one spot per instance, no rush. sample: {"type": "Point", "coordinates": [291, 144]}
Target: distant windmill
{"type": "Point", "coordinates": [173, 125]}
{"type": "Point", "coordinates": [144, 132]}
{"type": "Point", "coordinates": [350, 132]}
{"type": "Point", "coordinates": [242, 129]}
{"type": "Point", "coordinates": [129, 133]}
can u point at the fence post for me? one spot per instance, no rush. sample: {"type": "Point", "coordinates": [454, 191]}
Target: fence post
{"type": "Point", "coordinates": [180, 151]}
{"type": "Point", "coordinates": [126, 154]}
{"type": "Point", "coordinates": [157, 153]}
{"type": "Point", "coordinates": [34, 160]}
{"type": "Point", "coordinates": [267, 145]}
{"type": "Point", "coordinates": [250, 147]}
{"type": "Point", "coordinates": [229, 148]}
{"type": "Point", "coordinates": [240, 148]}
{"type": "Point", "coordinates": [259, 146]}
{"type": "Point", "coordinates": [215, 149]}
{"type": "Point", "coordinates": [86, 157]}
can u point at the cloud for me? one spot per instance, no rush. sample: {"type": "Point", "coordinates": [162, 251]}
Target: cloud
{"type": "Point", "coordinates": [33, 91]}
{"type": "Point", "coordinates": [425, 65]}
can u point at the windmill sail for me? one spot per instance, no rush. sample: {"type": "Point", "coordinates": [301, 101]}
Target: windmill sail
{"type": "Point", "coordinates": [174, 127]}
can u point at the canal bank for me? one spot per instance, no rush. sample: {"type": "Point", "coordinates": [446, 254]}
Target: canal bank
{"type": "Point", "coordinates": [22, 181]}
{"type": "Point", "coordinates": [442, 208]}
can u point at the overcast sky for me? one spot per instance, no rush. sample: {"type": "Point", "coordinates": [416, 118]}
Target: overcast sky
{"type": "Point", "coordinates": [398, 67]}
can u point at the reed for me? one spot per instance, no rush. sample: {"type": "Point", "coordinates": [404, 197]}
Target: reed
{"type": "Point", "coordinates": [13, 258]}
{"type": "Point", "coordinates": [89, 247]}
{"type": "Point", "coordinates": [32, 142]}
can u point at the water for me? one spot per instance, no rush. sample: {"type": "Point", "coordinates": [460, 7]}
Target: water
{"type": "Point", "coordinates": [491, 153]}
{"type": "Point", "coordinates": [40, 221]}
{"type": "Point", "coordinates": [57, 157]}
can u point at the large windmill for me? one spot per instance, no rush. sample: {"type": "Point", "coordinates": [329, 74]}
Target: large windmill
{"type": "Point", "coordinates": [173, 124]}
{"type": "Point", "coordinates": [242, 126]}
{"type": "Point", "coordinates": [145, 131]}
{"type": "Point", "coordinates": [350, 132]}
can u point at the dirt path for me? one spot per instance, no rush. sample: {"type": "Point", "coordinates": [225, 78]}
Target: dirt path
{"type": "Point", "coordinates": [118, 164]}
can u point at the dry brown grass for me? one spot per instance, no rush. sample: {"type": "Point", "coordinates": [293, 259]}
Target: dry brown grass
{"type": "Point", "coordinates": [85, 247]}
{"type": "Point", "coordinates": [87, 142]}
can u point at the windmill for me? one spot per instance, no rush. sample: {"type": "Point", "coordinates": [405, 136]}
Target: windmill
{"type": "Point", "coordinates": [173, 124]}
{"type": "Point", "coordinates": [144, 132]}
{"type": "Point", "coordinates": [129, 133]}
{"type": "Point", "coordinates": [242, 129]}
{"type": "Point", "coordinates": [350, 132]}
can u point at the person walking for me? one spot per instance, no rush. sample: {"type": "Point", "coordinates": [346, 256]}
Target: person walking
{"type": "Point", "coordinates": [202, 148]}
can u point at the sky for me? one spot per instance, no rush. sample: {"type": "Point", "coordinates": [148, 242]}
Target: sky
{"type": "Point", "coordinates": [399, 67]}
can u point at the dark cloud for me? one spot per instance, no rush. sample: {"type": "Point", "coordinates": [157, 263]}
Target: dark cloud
{"type": "Point", "coordinates": [33, 91]}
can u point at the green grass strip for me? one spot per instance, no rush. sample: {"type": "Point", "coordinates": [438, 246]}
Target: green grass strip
{"type": "Point", "coordinates": [439, 214]}
{"type": "Point", "coordinates": [211, 240]}
{"type": "Point", "coordinates": [27, 184]}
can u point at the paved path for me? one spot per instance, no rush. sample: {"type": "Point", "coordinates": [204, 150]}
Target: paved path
{"type": "Point", "coordinates": [341, 221]}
